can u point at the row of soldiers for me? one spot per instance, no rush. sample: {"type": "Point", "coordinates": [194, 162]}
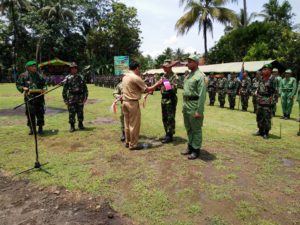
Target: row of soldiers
{"type": "Point", "coordinates": [109, 81]}
{"type": "Point", "coordinates": [232, 86]}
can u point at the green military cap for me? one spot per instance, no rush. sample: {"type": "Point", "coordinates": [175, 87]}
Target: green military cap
{"type": "Point", "coordinates": [194, 57]}
{"type": "Point", "coordinates": [30, 63]}
{"type": "Point", "coordinates": [73, 64]}
{"type": "Point", "coordinates": [170, 63]}
{"type": "Point", "coordinates": [288, 71]}
{"type": "Point", "coordinates": [167, 62]}
{"type": "Point", "coordinates": [275, 70]}
{"type": "Point", "coordinates": [267, 66]}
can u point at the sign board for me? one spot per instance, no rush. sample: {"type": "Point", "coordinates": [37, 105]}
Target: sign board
{"type": "Point", "coordinates": [121, 64]}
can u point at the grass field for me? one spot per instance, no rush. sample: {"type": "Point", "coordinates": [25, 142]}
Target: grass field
{"type": "Point", "coordinates": [247, 180]}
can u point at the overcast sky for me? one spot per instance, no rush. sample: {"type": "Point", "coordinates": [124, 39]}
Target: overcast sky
{"type": "Point", "coordinates": [158, 19]}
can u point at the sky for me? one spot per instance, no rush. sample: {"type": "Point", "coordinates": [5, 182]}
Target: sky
{"type": "Point", "coordinates": [158, 19]}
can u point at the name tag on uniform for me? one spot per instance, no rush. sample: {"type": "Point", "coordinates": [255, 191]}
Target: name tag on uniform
{"type": "Point", "coordinates": [167, 85]}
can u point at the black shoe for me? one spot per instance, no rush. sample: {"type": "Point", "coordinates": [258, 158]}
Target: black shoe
{"type": "Point", "coordinates": [167, 139]}
{"type": "Point", "coordinates": [80, 126]}
{"type": "Point", "coordinates": [72, 128]}
{"type": "Point", "coordinates": [195, 154]}
{"type": "Point", "coordinates": [30, 132]}
{"type": "Point", "coordinates": [127, 145]}
{"type": "Point", "coordinates": [122, 136]}
{"type": "Point", "coordinates": [138, 147]}
{"type": "Point", "coordinates": [288, 116]}
{"type": "Point", "coordinates": [283, 117]}
{"type": "Point", "coordinates": [298, 133]}
{"type": "Point", "coordinates": [187, 151]}
{"type": "Point", "coordinates": [40, 130]}
{"type": "Point", "coordinates": [265, 136]}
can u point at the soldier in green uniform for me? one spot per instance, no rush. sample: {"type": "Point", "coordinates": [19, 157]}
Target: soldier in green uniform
{"type": "Point", "coordinates": [265, 94]}
{"type": "Point", "coordinates": [169, 100]}
{"type": "Point", "coordinates": [298, 100]}
{"type": "Point", "coordinates": [245, 90]}
{"type": "Point", "coordinates": [31, 83]}
{"type": "Point", "coordinates": [75, 94]}
{"type": "Point", "coordinates": [222, 89]}
{"type": "Point", "coordinates": [118, 95]}
{"type": "Point", "coordinates": [287, 90]}
{"type": "Point", "coordinates": [212, 88]}
{"type": "Point", "coordinates": [254, 86]}
{"type": "Point", "coordinates": [232, 89]}
{"type": "Point", "coordinates": [194, 94]}
{"type": "Point", "coordinates": [277, 77]}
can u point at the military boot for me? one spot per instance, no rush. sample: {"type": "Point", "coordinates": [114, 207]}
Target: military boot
{"type": "Point", "coordinates": [40, 130]}
{"type": "Point", "coordinates": [72, 127]}
{"type": "Point", "coordinates": [80, 125]}
{"type": "Point", "coordinates": [194, 155]}
{"type": "Point", "coordinates": [122, 136]}
{"type": "Point", "coordinates": [168, 138]}
{"type": "Point", "coordinates": [284, 116]}
{"type": "Point", "coordinates": [187, 151]}
{"type": "Point", "coordinates": [30, 131]}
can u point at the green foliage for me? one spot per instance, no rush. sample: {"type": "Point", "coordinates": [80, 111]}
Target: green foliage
{"type": "Point", "coordinates": [245, 210]}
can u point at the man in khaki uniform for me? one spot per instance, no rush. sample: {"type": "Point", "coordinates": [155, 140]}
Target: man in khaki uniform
{"type": "Point", "coordinates": [133, 88]}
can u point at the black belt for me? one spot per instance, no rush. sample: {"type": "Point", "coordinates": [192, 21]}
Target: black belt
{"type": "Point", "coordinates": [190, 98]}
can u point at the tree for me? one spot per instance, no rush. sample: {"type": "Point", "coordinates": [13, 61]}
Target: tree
{"type": "Point", "coordinates": [243, 20]}
{"type": "Point", "coordinates": [273, 11]}
{"type": "Point", "coordinates": [203, 13]}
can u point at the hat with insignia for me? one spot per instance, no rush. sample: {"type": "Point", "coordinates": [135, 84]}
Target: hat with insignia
{"type": "Point", "coordinates": [73, 64]}
{"type": "Point", "coordinates": [269, 66]}
{"type": "Point", "coordinates": [275, 70]}
{"type": "Point", "coordinates": [194, 57]}
{"type": "Point", "coordinates": [288, 71]}
{"type": "Point", "coordinates": [169, 63]}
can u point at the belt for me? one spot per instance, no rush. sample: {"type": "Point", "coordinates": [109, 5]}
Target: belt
{"type": "Point", "coordinates": [287, 90]}
{"type": "Point", "coordinates": [190, 98]}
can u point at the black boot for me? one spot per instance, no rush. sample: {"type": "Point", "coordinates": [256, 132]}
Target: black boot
{"type": "Point", "coordinates": [266, 135]}
{"type": "Point", "coordinates": [30, 131]}
{"type": "Point", "coordinates": [122, 136]}
{"type": "Point", "coordinates": [72, 127]}
{"type": "Point", "coordinates": [168, 138]}
{"type": "Point", "coordinates": [195, 154]}
{"type": "Point", "coordinates": [284, 116]}
{"type": "Point", "coordinates": [40, 130]}
{"type": "Point", "coordinates": [187, 151]}
{"type": "Point", "coordinates": [80, 125]}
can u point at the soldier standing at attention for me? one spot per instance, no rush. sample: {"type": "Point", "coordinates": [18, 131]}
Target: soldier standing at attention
{"type": "Point", "coordinates": [277, 78]}
{"type": "Point", "coordinates": [194, 94]}
{"type": "Point", "coordinates": [169, 101]}
{"type": "Point", "coordinates": [232, 89]}
{"type": "Point", "coordinates": [75, 94]}
{"type": "Point", "coordinates": [254, 86]}
{"type": "Point", "coordinates": [287, 90]}
{"type": "Point", "coordinates": [245, 91]}
{"type": "Point", "coordinates": [265, 94]}
{"type": "Point", "coordinates": [222, 89]}
{"type": "Point", "coordinates": [133, 88]}
{"type": "Point", "coordinates": [118, 95]}
{"type": "Point", "coordinates": [298, 100]}
{"type": "Point", "coordinates": [212, 88]}
{"type": "Point", "coordinates": [31, 83]}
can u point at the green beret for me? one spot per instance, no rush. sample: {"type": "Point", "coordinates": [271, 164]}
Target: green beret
{"type": "Point", "coordinates": [30, 63]}
{"type": "Point", "coordinates": [267, 66]}
{"type": "Point", "coordinates": [194, 57]}
{"type": "Point", "coordinates": [288, 71]}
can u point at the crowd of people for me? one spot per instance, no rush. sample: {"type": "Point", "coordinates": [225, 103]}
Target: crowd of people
{"type": "Point", "coordinates": [265, 88]}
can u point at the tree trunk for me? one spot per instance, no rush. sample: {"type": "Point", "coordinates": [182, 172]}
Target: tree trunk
{"type": "Point", "coordinates": [15, 41]}
{"type": "Point", "coordinates": [245, 13]}
{"type": "Point", "coordinates": [205, 38]}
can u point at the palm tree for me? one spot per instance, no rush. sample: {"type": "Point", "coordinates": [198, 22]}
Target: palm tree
{"type": "Point", "coordinates": [9, 8]}
{"type": "Point", "coordinates": [203, 13]}
{"type": "Point", "coordinates": [241, 22]}
{"type": "Point", "coordinates": [273, 11]}
{"type": "Point", "coordinates": [245, 12]}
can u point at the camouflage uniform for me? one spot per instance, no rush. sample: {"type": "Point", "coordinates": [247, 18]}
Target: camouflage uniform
{"type": "Point", "coordinates": [265, 94]}
{"type": "Point", "coordinates": [35, 109]}
{"type": "Point", "coordinates": [212, 88]}
{"type": "Point", "coordinates": [276, 96]}
{"type": "Point", "coordinates": [254, 87]}
{"type": "Point", "coordinates": [222, 89]}
{"type": "Point", "coordinates": [75, 93]}
{"type": "Point", "coordinates": [298, 100]}
{"type": "Point", "coordinates": [117, 94]}
{"type": "Point", "coordinates": [232, 88]}
{"type": "Point", "coordinates": [245, 92]}
{"type": "Point", "coordinates": [169, 103]}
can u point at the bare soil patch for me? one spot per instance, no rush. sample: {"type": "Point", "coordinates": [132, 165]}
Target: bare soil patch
{"type": "Point", "coordinates": [21, 111]}
{"type": "Point", "coordinates": [104, 120]}
{"type": "Point", "coordinates": [22, 203]}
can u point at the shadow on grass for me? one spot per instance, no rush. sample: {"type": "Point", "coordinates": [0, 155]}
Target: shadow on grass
{"type": "Point", "coordinates": [206, 156]}
{"type": "Point", "coordinates": [179, 140]}
{"type": "Point", "coordinates": [50, 133]}
{"type": "Point", "coordinates": [86, 129]}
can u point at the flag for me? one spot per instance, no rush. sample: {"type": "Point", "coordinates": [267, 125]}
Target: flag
{"type": "Point", "coordinates": [241, 73]}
